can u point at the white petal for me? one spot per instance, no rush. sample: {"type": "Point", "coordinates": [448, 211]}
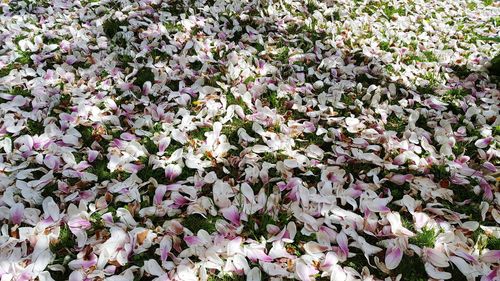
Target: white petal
{"type": "Point", "coordinates": [434, 273]}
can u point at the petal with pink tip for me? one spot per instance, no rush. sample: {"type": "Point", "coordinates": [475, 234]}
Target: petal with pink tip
{"type": "Point", "coordinates": [232, 215]}
{"type": "Point", "coordinates": [17, 213]}
{"type": "Point", "coordinates": [393, 257]}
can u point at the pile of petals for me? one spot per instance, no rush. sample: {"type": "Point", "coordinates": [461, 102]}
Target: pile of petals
{"type": "Point", "coordinates": [249, 140]}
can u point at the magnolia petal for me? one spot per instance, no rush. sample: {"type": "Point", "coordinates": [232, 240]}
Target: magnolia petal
{"type": "Point", "coordinates": [491, 256]}
{"type": "Point", "coordinates": [232, 215]}
{"type": "Point", "coordinates": [254, 274]}
{"type": "Point", "coordinates": [17, 213]}
{"type": "Point", "coordinates": [436, 274]}
{"type": "Point", "coordinates": [393, 257]}
{"type": "Point", "coordinates": [304, 271]}
{"type": "Point", "coordinates": [343, 242]}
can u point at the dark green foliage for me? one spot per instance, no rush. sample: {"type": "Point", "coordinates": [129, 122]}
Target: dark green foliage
{"type": "Point", "coordinates": [256, 226]}
{"type": "Point", "coordinates": [138, 259]}
{"type": "Point", "coordinates": [491, 39]}
{"type": "Point", "coordinates": [426, 238]}
{"type": "Point", "coordinates": [172, 27]}
{"type": "Point", "coordinates": [186, 173]}
{"type": "Point", "coordinates": [493, 243]}
{"type": "Point", "coordinates": [65, 102]}
{"type": "Point", "coordinates": [275, 102]}
{"type": "Point", "coordinates": [273, 157]}
{"type": "Point", "coordinates": [230, 130]}
{"type": "Point", "coordinates": [199, 133]}
{"type": "Point", "coordinates": [396, 124]}
{"type": "Point", "coordinates": [470, 207]}
{"type": "Point", "coordinates": [429, 56]}
{"type": "Point", "coordinates": [195, 222]}
{"type": "Point", "coordinates": [20, 91]}
{"type": "Point", "coordinates": [197, 65]}
{"type": "Point", "coordinates": [100, 169]}
{"type": "Point", "coordinates": [173, 85]}
{"type": "Point", "coordinates": [471, 5]}
{"type": "Point", "coordinates": [87, 135]}
{"type": "Point", "coordinates": [425, 90]}
{"type": "Point", "coordinates": [143, 75]}
{"type": "Point", "coordinates": [454, 94]}
{"type": "Point", "coordinates": [65, 242]}
{"type": "Point", "coordinates": [357, 262]}
{"type": "Point", "coordinates": [111, 27]}
{"type": "Point", "coordinates": [96, 220]}
{"type": "Point", "coordinates": [149, 144]}
{"type": "Point", "coordinates": [496, 131]}
{"type": "Point", "coordinates": [440, 172]}
{"type": "Point", "coordinates": [49, 190]}
{"type": "Point", "coordinates": [384, 46]}
{"type": "Point", "coordinates": [390, 11]}
{"type": "Point", "coordinates": [231, 99]}
{"type": "Point", "coordinates": [24, 58]}
{"type": "Point", "coordinates": [412, 268]}
{"type": "Point", "coordinates": [174, 145]}
{"type": "Point", "coordinates": [366, 80]}
{"type": "Point", "coordinates": [35, 127]}
{"type": "Point", "coordinates": [148, 172]}
{"type": "Point", "coordinates": [397, 191]}
{"type": "Point", "coordinates": [466, 147]}
{"type": "Point", "coordinates": [125, 59]}
{"type": "Point", "coordinates": [6, 70]}
{"type": "Point", "coordinates": [494, 69]}
{"type": "Point", "coordinates": [283, 55]}
{"type": "Point", "coordinates": [461, 71]}
{"type": "Point", "coordinates": [259, 47]}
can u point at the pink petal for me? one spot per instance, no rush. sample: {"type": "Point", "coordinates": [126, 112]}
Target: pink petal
{"type": "Point", "coordinates": [78, 224]}
{"type": "Point", "coordinates": [436, 257]}
{"type": "Point", "coordinates": [490, 167]}
{"type": "Point", "coordinates": [343, 242]}
{"type": "Point", "coordinates": [483, 143]}
{"type": "Point", "coordinates": [132, 168]}
{"type": "Point", "coordinates": [379, 205]}
{"type": "Point", "coordinates": [491, 256]}
{"type": "Point", "coordinates": [192, 240]}
{"type": "Point", "coordinates": [172, 171]}
{"type": "Point", "coordinates": [393, 257]}
{"type": "Point", "coordinates": [304, 271]}
{"type": "Point", "coordinates": [159, 193]}
{"type": "Point", "coordinates": [128, 136]}
{"type": "Point", "coordinates": [17, 213]}
{"type": "Point", "coordinates": [255, 254]}
{"type": "Point", "coordinates": [232, 215]}
{"type": "Point", "coordinates": [492, 276]}
{"type": "Point", "coordinates": [330, 260]}
{"type": "Point", "coordinates": [401, 179]}
{"type": "Point", "coordinates": [92, 155]}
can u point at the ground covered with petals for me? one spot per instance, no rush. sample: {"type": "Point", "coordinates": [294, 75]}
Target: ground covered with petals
{"type": "Point", "coordinates": [249, 140]}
